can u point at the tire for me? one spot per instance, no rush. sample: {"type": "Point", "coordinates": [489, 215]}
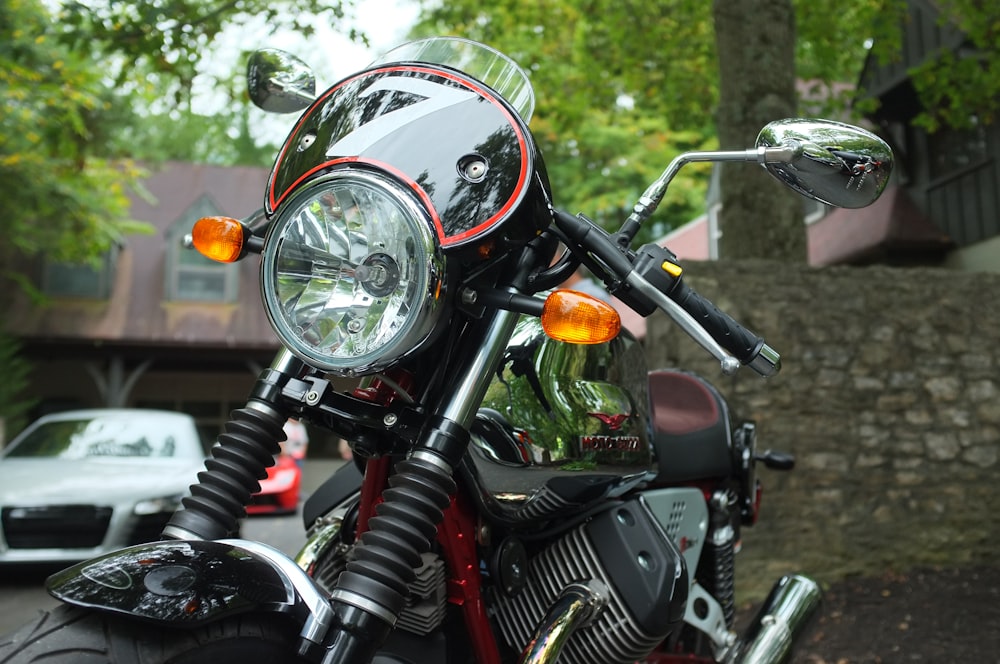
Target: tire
{"type": "Point", "coordinates": [72, 635]}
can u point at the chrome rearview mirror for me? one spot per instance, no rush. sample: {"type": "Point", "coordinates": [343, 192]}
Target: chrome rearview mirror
{"type": "Point", "coordinates": [831, 162]}
{"type": "Point", "coordinates": [279, 82]}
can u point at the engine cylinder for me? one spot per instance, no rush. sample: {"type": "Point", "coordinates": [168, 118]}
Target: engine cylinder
{"type": "Point", "coordinates": [625, 549]}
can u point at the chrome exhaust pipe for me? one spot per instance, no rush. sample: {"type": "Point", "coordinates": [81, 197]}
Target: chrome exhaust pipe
{"type": "Point", "coordinates": [577, 606]}
{"type": "Point", "coordinates": [780, 621]}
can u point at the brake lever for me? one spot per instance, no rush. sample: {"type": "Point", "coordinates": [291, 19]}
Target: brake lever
{"type": "Point", "coordinates": [728, 363]}
{"type": "Point", "coordinates": [671, 296]}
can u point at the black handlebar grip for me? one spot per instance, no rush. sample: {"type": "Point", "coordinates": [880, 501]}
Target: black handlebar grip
{"type": "Point", "coordinates": [744, 345]}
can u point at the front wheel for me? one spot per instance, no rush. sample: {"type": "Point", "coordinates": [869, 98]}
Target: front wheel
{"type": "Point", "coordinates": [72, 635]}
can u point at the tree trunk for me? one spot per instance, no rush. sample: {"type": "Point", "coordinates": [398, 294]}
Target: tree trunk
{"type": "Point", "coordinates": [755, 40]}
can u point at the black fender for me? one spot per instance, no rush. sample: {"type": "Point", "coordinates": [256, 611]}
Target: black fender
{"type": "Point", "coordinates": [337, 488]}
{"type": "Point", "coordinates": [190, 583]}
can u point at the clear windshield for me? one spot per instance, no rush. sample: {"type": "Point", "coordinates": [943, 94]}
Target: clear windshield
{"type": "Point", "coordinates": [102, 437]}
{"type": "Point", "coordinates": [479, 61]}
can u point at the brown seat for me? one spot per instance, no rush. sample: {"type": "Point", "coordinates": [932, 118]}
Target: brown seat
{"type": "Point", "coordinates": [692, 432]}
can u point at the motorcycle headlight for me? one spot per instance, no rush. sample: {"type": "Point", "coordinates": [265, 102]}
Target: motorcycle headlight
{"type": "Point", "coordinates": [351, 272]}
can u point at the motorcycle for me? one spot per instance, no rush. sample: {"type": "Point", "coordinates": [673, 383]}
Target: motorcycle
{"type": "Point", "coordinates": [522, 488]}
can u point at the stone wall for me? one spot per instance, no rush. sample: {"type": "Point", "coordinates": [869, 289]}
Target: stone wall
{"type": "Point", "coordinates": [890, 399]}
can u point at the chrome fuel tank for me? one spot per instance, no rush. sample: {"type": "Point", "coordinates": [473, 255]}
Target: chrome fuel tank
{"type": "Point", "coordinates": [562, 427]}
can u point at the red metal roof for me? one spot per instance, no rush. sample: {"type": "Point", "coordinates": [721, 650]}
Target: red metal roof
{"type": "Point", "coordinates": [892, 224]}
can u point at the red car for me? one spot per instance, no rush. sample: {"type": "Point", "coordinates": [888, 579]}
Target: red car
{"type": "Point", "coordinates": [279, 493]}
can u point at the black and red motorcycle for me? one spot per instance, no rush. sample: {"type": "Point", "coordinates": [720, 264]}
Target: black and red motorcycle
{"type": "Point", "coordinates": [522, 489]}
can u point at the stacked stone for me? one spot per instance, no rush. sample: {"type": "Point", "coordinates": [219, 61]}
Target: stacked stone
{"type": "Point", "coordinates": [888, 397]}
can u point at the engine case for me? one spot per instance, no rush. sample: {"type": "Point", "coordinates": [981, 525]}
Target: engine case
{"type": "Point", "coordinates": [563, 426]}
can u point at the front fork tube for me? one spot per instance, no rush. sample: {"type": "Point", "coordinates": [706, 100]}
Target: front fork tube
{"type": "Point", "coordinates": [245, 451]}
{"type": "Point", "coordinates": [372, 591]}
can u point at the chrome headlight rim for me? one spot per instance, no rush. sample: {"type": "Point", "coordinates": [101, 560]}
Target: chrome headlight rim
{"type": "Point", "coordinates": [427, 301]}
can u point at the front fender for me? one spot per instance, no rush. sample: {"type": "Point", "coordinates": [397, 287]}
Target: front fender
{"type": "Point", "coordinates": [189, 583]}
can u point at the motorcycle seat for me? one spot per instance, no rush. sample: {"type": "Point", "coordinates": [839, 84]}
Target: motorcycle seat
{"type": "Point", "coordinates": [692, 431]}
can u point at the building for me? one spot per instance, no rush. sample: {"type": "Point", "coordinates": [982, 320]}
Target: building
{"type": "Point", "coordinates": [943, 206]}
{"type": "Point", "coordinates": [156, 325]}
{"type": "Point", "coordinates": [951, 176]}
{"type": "Point", "coordinates": [161, 326]}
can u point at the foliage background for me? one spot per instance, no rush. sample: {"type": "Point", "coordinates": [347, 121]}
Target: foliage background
{"type": "Point", "coordinates": [91, 89]}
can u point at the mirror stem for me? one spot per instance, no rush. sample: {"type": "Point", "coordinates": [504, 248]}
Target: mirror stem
{"type": "Point", "coordinates": [651, 198]}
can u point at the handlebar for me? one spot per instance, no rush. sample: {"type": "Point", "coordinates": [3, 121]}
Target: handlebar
{"type": "Point", "coordinates": [745, 346]}
{"type": "Point", "coordinates": [651, 279]}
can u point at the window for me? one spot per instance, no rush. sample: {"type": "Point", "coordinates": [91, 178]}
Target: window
{"type": "Point", "coordinates": [191, 276]}
{"type": "Point", "coordinates": [209, 416]}
{"type": "Point", "coordinates": [85, 280]}
{"type": "Point", "coordinates": [954, 150]}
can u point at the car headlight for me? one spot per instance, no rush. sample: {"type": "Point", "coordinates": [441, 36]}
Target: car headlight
{"type": "Point", "coordinates": [157, 505]}
{"type": "Point", "coordinates": [351, 272]}
{"type": "Point", "coordinates": [282, 480]}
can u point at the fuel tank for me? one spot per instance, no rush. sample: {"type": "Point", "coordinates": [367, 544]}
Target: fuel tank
{"type": "Point", "coordinates": [562, 427]}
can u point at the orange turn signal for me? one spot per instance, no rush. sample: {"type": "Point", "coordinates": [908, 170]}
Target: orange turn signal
{"type": "Point", "coordinates": [578, 318]}
{"type": "Point", "coordinates": [219, 238]}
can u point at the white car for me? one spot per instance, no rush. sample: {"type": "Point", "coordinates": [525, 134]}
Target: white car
{"type": "Point", "coordinates": [77, 484]}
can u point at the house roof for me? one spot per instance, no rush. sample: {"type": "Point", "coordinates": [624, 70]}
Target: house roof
{"type": "Point", "coordinates": [691, 241]}
{"type": "Point", "coordinates": [138, 313]}
{"type": "Point", "coordinates": [892, 224]}
{"type": "Point", "coordinates": [923, 33]}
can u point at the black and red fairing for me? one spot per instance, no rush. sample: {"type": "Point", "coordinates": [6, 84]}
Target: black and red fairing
{"type": "Point", "coordinates": [423, 124]}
